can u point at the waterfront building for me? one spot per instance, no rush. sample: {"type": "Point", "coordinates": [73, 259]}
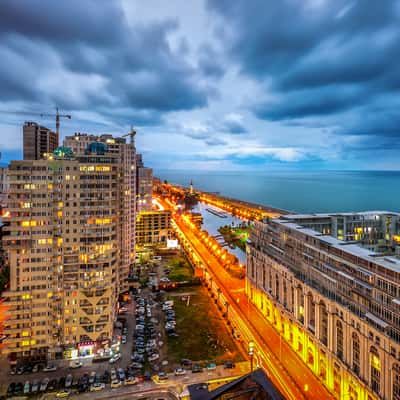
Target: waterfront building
{"type": "Point", "coordinates": [330, 285]}
{"type": "Point", "coordinates": [70, 242]}
{"type": "Point", "coordinates": [38, 141]}
{"type": "Point", "coordinates": [153, 228]}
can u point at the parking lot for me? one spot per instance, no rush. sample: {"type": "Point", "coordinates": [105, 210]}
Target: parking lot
{"type": "Point", "coordinates": [146, 326]}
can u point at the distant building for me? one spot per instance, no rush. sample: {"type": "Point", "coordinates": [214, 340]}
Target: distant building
{"type": "Point", "coordinates": [253, 386]}
{"type": "Point", "coordinates": [3, 186]}
{"type": "Point", "coordinates": [38, 141]}
{"type": "Point", "coordinates": [330, 285]}
{"type": "Point", "coordinates": [144, 188]}
{"type": "Point", "coordinates": [153, 228]}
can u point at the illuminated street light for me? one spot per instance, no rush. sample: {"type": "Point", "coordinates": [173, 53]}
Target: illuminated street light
{"type": "Point", "coordinates": [251, 354]}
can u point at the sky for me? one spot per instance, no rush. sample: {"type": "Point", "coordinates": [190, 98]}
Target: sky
{"type": "Point", "coordinates": [210, 84]}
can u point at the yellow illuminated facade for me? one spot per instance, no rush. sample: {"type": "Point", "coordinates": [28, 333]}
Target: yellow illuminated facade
{"type": "Point", "coordinates": [299, 278]}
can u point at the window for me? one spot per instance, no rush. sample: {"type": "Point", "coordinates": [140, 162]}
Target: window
{"type": "Point", "coordinates": [339, 339]}
{"type": "Point", "coordinates": [324, 324]}
{"type": "Point", "coordinates": [356, 353]}
{"type": "Point", "coordinates": [375, 365]}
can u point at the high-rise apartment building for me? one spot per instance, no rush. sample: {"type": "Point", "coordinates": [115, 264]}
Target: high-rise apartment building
{"type": "Point", "coordinates": [126, 154]}
{"type": "Point", "coordinates": [70, 239]}
{"type": "Point", "coordinates": [144, 185]}
{"type": "Point", "coordinates": [38, 141]}
{"type": "Point", "coordinates": [330, 284]}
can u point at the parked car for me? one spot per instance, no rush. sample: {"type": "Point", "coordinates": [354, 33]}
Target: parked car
{"type": "Point", "coordinates": [75, 364]}
{"type": "Point", "coordinates": [115, 358]}
{"type": "Point", "coordinates": [43, 385]}
{"type": "Point", "coordinates": [68, 381]}
{"type": "Point", "coordinates": [97, 387]}
{"type": "Point", "coordinates": [11, 389]}
{"type": "Point", "coordinates": [121, 374]}
{"type": "Point", "coordinates": [131, 380]}
{"type": "Point", "coordinates": [154, 356]}
{"type": "Point", "coordinates": [211, 366]}
{"type": "Point", "coordinates": [115, 384]}
{"type": "Point", "coordinates": [63, 393]}
{"type": "Point", "coordinates": [49, 368]}
{"type": "Point", "coordinates": [61, 382]}
{"type": "Point", "coordinates": [19, 388]}
{"type": "Point", "coordinates": [35, 386]}
{"type": "Point", "coordinates": [52, 385]}
{"type": "Point", "coordinates": [27, 387]}
{"type": "Point", "coordinates": [196, 368]}
{"type": "Point", "coordinates": [35, 368]}
{"type": "Point", "coordinates": [123, 340]}
{"type": "Point", "coordinates": [162, 376]}
{"type": "Point", "coordinates": [229, 364]}
{"type": "Point", "coordinates": [92, 377]}
{"type": "Point", "coordinates": [179, 371]}
{"type": "Point", "coordinates": [136, 365]}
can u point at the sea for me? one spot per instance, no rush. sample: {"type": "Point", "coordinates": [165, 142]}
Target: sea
{"type": "Point", "coordinates": [300, 191]}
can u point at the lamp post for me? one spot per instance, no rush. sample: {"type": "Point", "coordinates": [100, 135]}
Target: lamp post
{"type": "Point", "coordinates": [251, 354]}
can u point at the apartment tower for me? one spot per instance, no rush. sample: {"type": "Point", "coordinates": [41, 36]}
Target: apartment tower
{"type": "Point", "coordinates": [38, 141]}
{"type": "Point", "coordinates": [71, 243]}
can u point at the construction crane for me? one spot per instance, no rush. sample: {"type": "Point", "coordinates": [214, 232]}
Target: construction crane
{"type": "Point", "coordinates": [131, 134]}
{"type": "Point", "coordinates": [57, 115]}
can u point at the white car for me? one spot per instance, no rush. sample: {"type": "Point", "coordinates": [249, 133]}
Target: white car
{"type": "Point", "coordinates": [49, 368]}
{"type": "Point", "coordinates": [180, 371]}
{"type": "Point", "coordinates": [75, 364]}
{"type": "Point", "coordinates": [115, 358]}
{"type": "Point", "coordinates": [43, 385]}
{"type": "Point", "coordinates": [164, 279]}
{"type": "Point", "coordinates": [97, 387]}
{"type": "Point", "coordinates": [154, 357]}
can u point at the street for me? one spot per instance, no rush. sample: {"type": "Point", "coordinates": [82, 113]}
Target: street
{"type": "Point", "coordinates": [289, 374]}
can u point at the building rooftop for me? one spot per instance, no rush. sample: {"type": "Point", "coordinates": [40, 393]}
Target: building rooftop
{"type": "Point", "coordinates": [200, 391]}
{"type": "Point", "coordinates": [388, 262]}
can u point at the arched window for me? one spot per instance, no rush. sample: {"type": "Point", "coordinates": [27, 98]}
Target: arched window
{"type": "Point", "coordinates": [375, 368]}
{"type": "Point", "coordinates": [284, 294]}
{"type": "Point", "coordinates": [396, 382]}
{"type": "Point", "coordinates": [311, 312]}
{"type": "Point", "coordinates": [323, 323]}
{"type": "Point", "coordinates": [310, 357]}
{"type": "Point", "coordinates": [339, 339]}
{"type": "Point", "coordinates": [356, 353]}
{"type": "Point", "coordinates": [300, 303]}
{"type": "Point", "coordinates": [277, 290]}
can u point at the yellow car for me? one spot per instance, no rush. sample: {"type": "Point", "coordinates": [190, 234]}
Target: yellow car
{"type": "Point", "coordinates": [62, 394]}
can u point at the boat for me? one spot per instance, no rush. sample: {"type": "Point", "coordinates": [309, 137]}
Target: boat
{"type": "Point", "coordinates": [218, 213]}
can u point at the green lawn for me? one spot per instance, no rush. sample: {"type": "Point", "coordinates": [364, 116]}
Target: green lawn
{"type": "Point", "coordinates": [180, 270]}
{"type": "Point", "coordinates": [203, 336]}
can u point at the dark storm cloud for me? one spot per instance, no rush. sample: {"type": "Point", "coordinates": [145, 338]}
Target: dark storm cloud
{"type": "Point", "coordinates": [84, 55]}
{"type": "Point", "coordinates": [334, 59]}
{"type": "Point", "coordinates": [210, 62]}
{"type": "Point", "coordinates": [233, 127]}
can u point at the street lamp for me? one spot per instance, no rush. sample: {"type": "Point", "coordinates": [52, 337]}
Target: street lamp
{"type": "Point", "coordinates": [251, 354]}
